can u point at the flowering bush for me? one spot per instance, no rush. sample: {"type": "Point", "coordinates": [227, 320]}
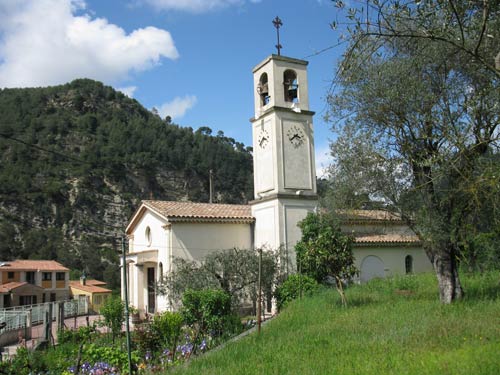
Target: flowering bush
{"type": "Point", "coordinates": [160, 361]}
{"type": "Point", "coordinates": [99, 357]}
{"type": "Point", "coordinates": [99, 368]}
{"type": "Point", "coordinates": [169, 339]}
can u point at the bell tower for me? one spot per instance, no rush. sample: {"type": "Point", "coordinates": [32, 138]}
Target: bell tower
{"type": "Point", "coordinates": [283, 152]}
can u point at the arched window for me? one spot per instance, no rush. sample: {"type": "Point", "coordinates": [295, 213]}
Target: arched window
{"type": "Point", "coordinates": [291, 86]}
{"type": "Point", "coordinates": [408, 264]}
{"type": "Point", "coordinates": [149, 236]}
{"type": "Point", "coordinates": [263, 90]}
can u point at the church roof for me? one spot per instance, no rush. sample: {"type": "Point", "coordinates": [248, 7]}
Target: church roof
{"type": "Point", "coordinates": [195, 212]}
{"type": "Point", "coordinates": [192, 210]}
{"type": "Point", "coordinates": [365, 216]}
{"type": "Point", "coordinates": [387, 239]}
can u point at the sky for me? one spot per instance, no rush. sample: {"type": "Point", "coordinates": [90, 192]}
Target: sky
{"type": "Point", "coordinates": [190, 59]}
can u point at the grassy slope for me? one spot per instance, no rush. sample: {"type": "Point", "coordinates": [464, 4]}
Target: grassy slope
{"type": "Point", "coordinates": [381, 332]}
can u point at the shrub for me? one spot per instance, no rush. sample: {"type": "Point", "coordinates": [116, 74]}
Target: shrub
{"type": "Point", "coordinates": [75, 336]}
{"type": "Point", "coordinates": [145, 339]}
{"type": "Point", "coordinates": [167, 327]}
{"type": "Point", "coordinates": [232, 325]}
{"type": "Point", "coordinates": [207, 308]}
{"type": "Point", "coordinates": [112, 312]}
{"type": "Point", "coordinates": [293, 287]}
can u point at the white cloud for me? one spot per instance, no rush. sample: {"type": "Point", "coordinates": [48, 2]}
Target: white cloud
{"type": "Point", "coordinates": [44, 42]}
{"type": "Point", "coordinates": [177, 107]}
{"type": "Point", "coordinates": [128, 90]}
{"type": "Point", "coordinates": [194, 6]}
{"type": "Point", "coordinates": [323, 160]}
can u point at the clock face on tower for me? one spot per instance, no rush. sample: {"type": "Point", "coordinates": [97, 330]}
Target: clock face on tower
{"type": "Point", "coordinates": [296, 136]}
{"type": "Point", "coordinates": [263, 139]}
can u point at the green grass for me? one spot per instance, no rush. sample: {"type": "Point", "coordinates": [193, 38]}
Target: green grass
{"type": "Point", "coordinates": [383, 331]}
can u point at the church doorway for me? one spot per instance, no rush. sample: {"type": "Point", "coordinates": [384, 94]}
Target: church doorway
{"type": "Point", "coordinates": [371, 267]}
{"type": "Point", "coordinates": [151, 290]}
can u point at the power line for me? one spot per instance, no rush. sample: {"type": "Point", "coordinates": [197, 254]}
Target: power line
{"type": "Point", "coordinates": [44, 149]}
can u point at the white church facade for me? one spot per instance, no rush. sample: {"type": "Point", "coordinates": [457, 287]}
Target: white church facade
{"type": "Point", "coordinates": [285, 191]}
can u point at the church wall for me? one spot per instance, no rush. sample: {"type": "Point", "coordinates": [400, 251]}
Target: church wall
{"type": "Point", "coordinates": [276, 223]}
{"type": "Point", "coordinates": [279, 165]}
{"type": "Point", "coordinates": [194, 241]}
{"type": "Point", "coordinates": [267, 220]}
{"type": "Point", "coordinates": [265, 172]}
{"type": "Point", "coordinates": [148, 251]}
{"type": "Point", "coordinates": [158, 235]}
{"type": "Point", "coordinates": [393, 259]}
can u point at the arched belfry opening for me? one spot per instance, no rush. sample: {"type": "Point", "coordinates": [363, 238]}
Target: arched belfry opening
{"type": "Point", "coordinates": [291, 86]}
{"type": "Point", "coordinates": [263, 90]}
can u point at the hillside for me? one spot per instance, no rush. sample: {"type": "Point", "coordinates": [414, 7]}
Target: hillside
{"type": "Point", "coordinates": [394, 326]}
{"type": "Point", "coordinates": [78, 158]}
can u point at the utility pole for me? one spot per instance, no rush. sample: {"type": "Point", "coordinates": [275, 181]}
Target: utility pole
{"type": "Point", "coordinates": [259, 293]}
{"type": "Point", "coordinates": [125, 292]}
{"type": "Point", "coordinates": [211, 177]}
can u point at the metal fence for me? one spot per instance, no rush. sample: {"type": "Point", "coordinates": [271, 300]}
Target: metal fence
{"type": "Point", "coordinates": [26, 317]}
{"type": "Point", "coordinates": [14, 320]}
{"type": "Point", "coordinates": [71, 308]}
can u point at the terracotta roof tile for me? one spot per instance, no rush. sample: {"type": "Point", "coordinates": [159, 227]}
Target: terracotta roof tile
{"type": "Point", "coordinates": [32, 265]}
{"type": "Point", "coordinates": [206, 211]}
{"type": "Point", "coordinates": [368, 215]}
{"type": "Point", "coordinates": [88, 288]}
{"type": "Point", "coordinates": [386, 238]}
{"type": "Point", "coordinates": [95, 282]}
{"type": "Point", "coordinates": [7, 287]}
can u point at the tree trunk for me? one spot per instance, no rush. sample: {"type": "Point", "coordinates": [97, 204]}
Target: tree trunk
{"type": "Point", "coordinates": [446, 267]}
{"type": "Point", "coordinates": [340, 289]}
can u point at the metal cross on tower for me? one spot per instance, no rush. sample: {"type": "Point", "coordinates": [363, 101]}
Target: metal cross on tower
{"type": "Point", "coordinates": [277, 23]}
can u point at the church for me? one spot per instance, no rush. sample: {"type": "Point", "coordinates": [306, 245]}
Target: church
{"type": "Point", "coordinates": [285, 191]}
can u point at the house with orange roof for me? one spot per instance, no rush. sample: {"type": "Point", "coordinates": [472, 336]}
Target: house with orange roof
{"type": "Point", "coordinates": [28, 282]}
{"type": "Point", "coordinates": [92, 290]}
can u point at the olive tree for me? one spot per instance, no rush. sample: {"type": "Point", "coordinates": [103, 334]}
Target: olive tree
{"type": "Point", "coordinates": [235, 271]}
{"type": "Point", "coordinates": [419, 86]}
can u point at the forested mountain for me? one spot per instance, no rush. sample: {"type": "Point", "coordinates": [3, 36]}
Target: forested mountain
{"type": "Point", "coordinates": [78, 158]}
